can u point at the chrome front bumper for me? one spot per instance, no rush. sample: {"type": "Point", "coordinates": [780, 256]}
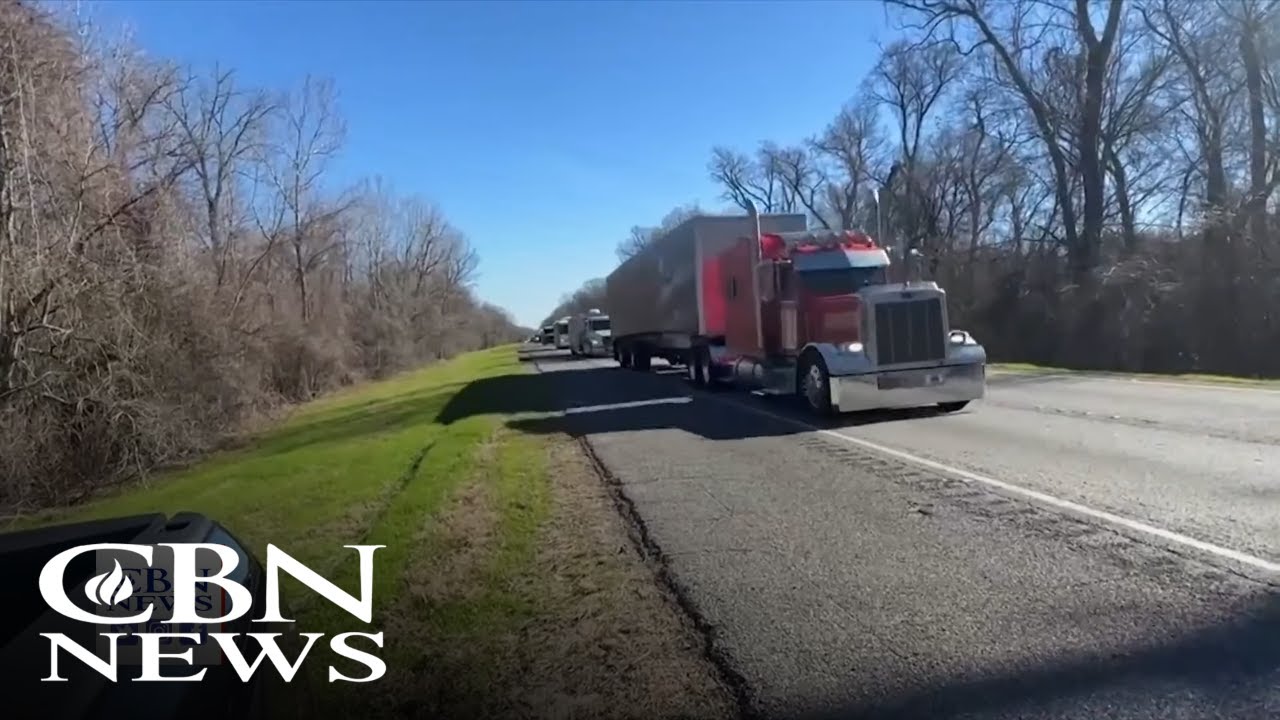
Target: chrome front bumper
{"type": "Point", "coordinates": [909, 388]}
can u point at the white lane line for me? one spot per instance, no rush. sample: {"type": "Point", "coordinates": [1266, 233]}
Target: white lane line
{"type": "Point", "coordinates": [1074, 507]}
{"type": "Point", "coordinates": [623, 405]}
{"type": "Point", "coordinates": [1208, 386]}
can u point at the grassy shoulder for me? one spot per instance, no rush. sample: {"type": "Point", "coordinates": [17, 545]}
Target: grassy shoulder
{"type": "Point", "coordinates": [1230, 380]}
{"type": "Point", "coordinates": [508, 586]}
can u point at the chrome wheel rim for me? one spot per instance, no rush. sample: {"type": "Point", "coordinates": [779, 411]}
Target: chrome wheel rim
{"type": "Point", "coordinates": [813, 386]}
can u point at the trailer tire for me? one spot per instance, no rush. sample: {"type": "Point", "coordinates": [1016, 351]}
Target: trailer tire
{"type": "Point", "coordinates": [691, 367]}
{"type": "Point", "coordinates": [641, 360]}
{"type": "Point", "coordinates": [813, 384]}
{"type": "Point", "coordinates": [698, 362]}
{"type": "Point", "coordinates": [950, 407]}
{"type": "Point", "coordinates": [703, 358]}
{"type": "Point", "coordinates": [624, 356]}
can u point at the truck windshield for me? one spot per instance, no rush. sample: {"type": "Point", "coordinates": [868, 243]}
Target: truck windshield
{"type": "Point", "coordinates": [841, 281]}
{"type": "Point", "coordinates": [598, 323]}
{"type": "Point", "coordinates": [562, 327]}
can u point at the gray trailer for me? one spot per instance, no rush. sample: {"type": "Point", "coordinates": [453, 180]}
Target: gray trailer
{"type": "Point", "coordinates": [657, 298]}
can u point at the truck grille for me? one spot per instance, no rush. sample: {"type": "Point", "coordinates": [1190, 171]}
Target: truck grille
{"type": "Point", "coordinates": [910, 331]}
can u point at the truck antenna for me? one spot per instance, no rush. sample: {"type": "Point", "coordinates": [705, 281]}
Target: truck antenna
{"type": "Point", "coordinates": [875, 193]}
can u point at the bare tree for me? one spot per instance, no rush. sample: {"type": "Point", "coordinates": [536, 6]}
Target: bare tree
{"type": "Point", "coordinates": [802, 177]}
{"type": "Point", "coordinates": [174, 261]}
{"type": "Point", "coordinates": [849, 146]}
{"type": "Point", "coordinates": [224, 128]}
{"type": "Point", "coordinates": [746, 180]}
{"type": "Point", "coordinates": [640, 237]}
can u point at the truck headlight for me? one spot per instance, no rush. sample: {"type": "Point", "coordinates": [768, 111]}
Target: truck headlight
{"type": "Point", "coordinates": [960, 337]}
{"type": "Point", "coordinates": [853, 347]}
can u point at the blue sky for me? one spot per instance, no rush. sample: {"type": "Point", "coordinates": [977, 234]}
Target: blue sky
{"type": "Point", "coordinates": [544, 130]}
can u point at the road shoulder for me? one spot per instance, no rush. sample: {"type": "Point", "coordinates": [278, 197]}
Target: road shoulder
{"type": "Point", "coordinates": [582, 630]}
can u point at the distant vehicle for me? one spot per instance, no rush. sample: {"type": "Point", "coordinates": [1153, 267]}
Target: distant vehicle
{"type": "Point", "coordinates": [590, 334]}
{"type": "Point", "coordinates": [762, 302]}
{"type": "Point", "coordinates": [221, 695]}
{"type": "Point", "coordinates": [562, 333]}
{"type": "Point", "coordinates": [548, 335]}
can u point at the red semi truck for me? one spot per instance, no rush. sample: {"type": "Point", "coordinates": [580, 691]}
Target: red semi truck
{"type": "Point", "coordinates": [760, 301]}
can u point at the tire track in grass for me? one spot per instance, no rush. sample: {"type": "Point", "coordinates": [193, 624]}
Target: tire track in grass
{"type": "Point", "coordinates": [415, 504]}
{"type": "Point", "coordinates": [457, 598]}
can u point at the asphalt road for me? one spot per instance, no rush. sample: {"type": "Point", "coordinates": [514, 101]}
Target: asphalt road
{"type": "Point", "coordinates": [1068, 548]}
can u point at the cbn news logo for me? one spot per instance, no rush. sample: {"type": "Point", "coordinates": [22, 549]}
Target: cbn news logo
{"type": "Point", "coordinates": [183, 596]}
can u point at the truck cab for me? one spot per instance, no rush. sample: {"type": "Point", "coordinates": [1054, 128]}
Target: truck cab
{"type": "Point", "coordinates": [547, 336]}
{"type": "Point", "coordinates": [562, 333]}
{"type": "Point", "coordinates": [823, 321]}
{"type": "Point", "coordinates": [590, 334]}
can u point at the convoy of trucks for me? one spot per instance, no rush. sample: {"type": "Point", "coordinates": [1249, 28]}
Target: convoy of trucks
{"type": "Point", "coordinates": [590, 334]}
{"type": "Point", "coordinates": [761, 301]}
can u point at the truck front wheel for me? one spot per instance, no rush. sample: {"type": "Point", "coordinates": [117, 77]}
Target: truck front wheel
{"type": "Point", "coordinates": [813, 384]}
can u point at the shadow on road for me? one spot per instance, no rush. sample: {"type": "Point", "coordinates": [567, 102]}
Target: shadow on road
{"type": "Point", "coordinates": [1225, 670]}
{"type": "Point", "coordinates": [1229, 668]}
{"type": "Point", "coordinates": [598, 400]}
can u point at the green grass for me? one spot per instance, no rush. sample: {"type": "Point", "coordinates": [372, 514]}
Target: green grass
{"type": "Point", "coordinates": [374, 465]}
{"type": "Point", "coordinates": [1028, 368]}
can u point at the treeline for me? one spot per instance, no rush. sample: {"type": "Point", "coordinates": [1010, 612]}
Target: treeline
{"type": "Point", "coordinates": [1093, 182]}
{"type": "Point", "coordinates": [176, 261]}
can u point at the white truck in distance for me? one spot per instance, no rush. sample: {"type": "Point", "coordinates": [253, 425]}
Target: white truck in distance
{"type": "Point", "coordinates": [590, 334]}
{"type": "Point", "coordinates": [562, 333]}
{"type": "Point", "coordinates": [762, 302]}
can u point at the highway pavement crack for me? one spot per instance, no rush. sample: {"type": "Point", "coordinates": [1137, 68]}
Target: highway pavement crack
{"type": "Point", "coordinates": [654, 556]}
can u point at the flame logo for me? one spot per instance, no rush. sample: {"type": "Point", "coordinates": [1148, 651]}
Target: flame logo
{"type": "Point", "coordinates": [109, 588]}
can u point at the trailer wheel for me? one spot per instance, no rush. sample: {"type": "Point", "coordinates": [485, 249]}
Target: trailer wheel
{"type": "Point", "coordinates": [691, 367]}
{"type": "Point", "coordinates": [950, 407]}
{"type": "Point", "coordinates": [703, 357]}
{"type": "Point", "coordinates": [641, 358]}
{"type": "Point", "coordinates": [699, 364]}
{"type": "Point", "coordinates": [813, 383]}
{"type": "Point", "coordinates": [624, 356]}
